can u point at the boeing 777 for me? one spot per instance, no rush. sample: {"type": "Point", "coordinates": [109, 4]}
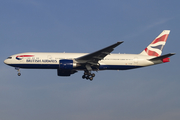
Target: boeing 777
{"type": "Point", "coordinates": [69, 63]}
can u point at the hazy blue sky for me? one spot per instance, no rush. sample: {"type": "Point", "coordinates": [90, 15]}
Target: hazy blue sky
{"type": "Point", "coordinates": [150, 93]}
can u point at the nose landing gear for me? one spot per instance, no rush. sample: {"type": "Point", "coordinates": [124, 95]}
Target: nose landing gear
{"type": "Point", "coordinates": [19, 74]}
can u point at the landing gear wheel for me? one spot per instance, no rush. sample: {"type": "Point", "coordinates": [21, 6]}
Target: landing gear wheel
{"type": "Point", "coordinates": [83, 76]}
{"type": "Point", "coordinates": [93, 75]}
{"type": "Point", "coordinates": [87, 77]}
{"type": "Point", "coordinates": [19, 74]}
{"type": "Point", "coordinates": [91, 78]}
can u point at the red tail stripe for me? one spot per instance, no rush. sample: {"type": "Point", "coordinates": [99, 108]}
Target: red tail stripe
{"type": "Point", "coordinates": [151, 53]}
{"type": "Point", "coordinates": [162, 38]}
{"type": "Point", "coordinates": [25, 56]}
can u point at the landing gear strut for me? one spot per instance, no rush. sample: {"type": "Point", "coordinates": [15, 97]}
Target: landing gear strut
{"type": "Point", "coordinates": [88, 75]}
{"type": "Point", "coordinates": [19, 74]}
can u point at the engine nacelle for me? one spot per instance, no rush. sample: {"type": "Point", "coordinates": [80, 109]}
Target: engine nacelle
{"type": "Point", "coordinates": [66, 64]}
{"type": "Point", "coordinates": [65, 72]}
{"type": "Point", "coordinates": [66, 67]}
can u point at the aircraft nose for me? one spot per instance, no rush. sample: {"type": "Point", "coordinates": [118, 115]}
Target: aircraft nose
{"type": "Point", "coordinates": [6, 61]}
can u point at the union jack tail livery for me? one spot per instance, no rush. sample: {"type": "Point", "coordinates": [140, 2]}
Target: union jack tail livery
{"type": "Point", "coordinates": [156, 47]}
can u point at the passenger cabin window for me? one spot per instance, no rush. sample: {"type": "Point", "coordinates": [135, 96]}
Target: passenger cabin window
{"type": "Point", "coordinates": [9, 58]}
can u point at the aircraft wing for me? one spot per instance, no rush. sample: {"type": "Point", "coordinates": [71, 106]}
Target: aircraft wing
{"type": "Point", "coordinates": [94, 57]}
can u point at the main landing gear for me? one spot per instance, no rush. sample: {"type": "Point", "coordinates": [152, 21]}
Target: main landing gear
{"type": "Point", "coordinates": [19, 74]}
{"type": "Point", "coordinates": [88, 75]}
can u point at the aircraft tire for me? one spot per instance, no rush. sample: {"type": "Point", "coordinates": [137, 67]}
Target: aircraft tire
{"type": "Point", "coordinates": [83, 76]}
{"type": "Point", "coordinates": [19, 74]}
{"type": "Point", "coordinates": [87, 77]}
{"type": "Point", "coordinates": [91, 78]}
{"type": "Point", "coordinates": [93, 75]}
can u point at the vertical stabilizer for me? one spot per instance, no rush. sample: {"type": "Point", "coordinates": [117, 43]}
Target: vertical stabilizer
{"type": "Point", "coordinates": [156, 47]}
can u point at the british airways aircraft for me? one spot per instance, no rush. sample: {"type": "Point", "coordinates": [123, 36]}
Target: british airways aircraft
{"type": "Point", "coordinates": [69, 63]}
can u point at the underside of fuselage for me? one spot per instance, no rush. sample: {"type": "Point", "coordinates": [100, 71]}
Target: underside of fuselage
{"type": "Point", "coordinates": [56, 66]}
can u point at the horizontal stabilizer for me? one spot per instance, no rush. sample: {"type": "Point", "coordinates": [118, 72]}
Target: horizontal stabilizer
{"type": "Point", "coordinates": [162, 57]}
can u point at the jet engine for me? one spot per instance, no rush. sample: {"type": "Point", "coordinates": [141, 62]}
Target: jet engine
{"type": "Point", "coordinates": [66, 64]}
{"type": "Point", "coordinates": [66, 67]}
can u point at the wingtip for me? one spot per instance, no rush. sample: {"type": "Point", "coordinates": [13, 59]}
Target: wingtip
{"type": "Point", "coordinates": [120, 42]}
{"type": "Point", "coordinates": [172, 53]}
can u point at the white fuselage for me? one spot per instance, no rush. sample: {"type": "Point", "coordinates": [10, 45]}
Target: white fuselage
{"type": "Point", "coordinates": [37, 60]}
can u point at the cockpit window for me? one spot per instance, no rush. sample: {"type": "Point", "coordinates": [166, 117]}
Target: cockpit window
{"type": "Point", "coordinates": [9, 58]}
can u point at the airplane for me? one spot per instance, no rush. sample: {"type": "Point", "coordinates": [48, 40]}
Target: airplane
{"type": "Point", "coordinates": [70, 63]}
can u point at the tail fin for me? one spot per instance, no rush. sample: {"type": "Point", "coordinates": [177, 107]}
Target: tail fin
{"type": "Point", "coordinates": [156, 47]}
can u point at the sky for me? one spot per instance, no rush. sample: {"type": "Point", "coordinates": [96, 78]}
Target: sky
{"type": "Point", "coordinates": [150, 93]}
